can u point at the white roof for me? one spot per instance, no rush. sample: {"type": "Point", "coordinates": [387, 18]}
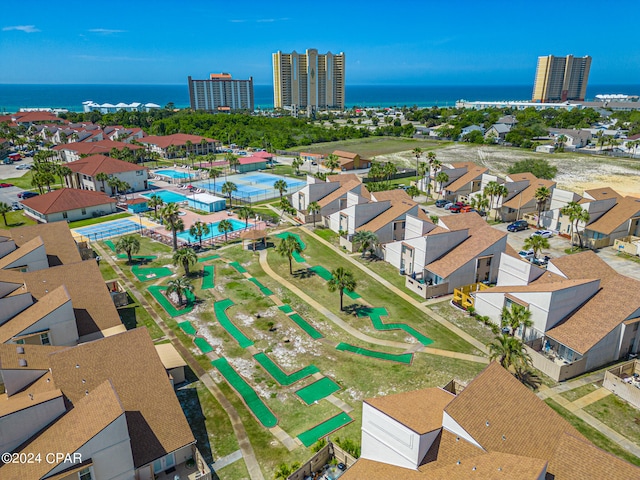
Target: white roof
{"type": "Point", "coordinates": [205, 198]}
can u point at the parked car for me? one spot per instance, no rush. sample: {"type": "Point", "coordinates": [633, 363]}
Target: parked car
{"type": "Point", "coordinates": [543, 234]}
{"type": "Point", "coordinates": [517, 226]}
{"type": "Point", "coordinates": [526, 254]}
{"type": "Point", "coordinates": [451, 204]}
{"type": "Point", "coordinates": [16, 206]}
{"type": "Point", "coordinates": [455, 208]}
{"type": "Point", "coordinates": [24, 166]}
{"type": "Point", "coordinates": [541, 262]}
{"type": "Point", "coordinates": [27, 194]}
{"type": "Point", "coordinates": [5, 185]}
{"type": "Point", "coordinates": [441, 202]}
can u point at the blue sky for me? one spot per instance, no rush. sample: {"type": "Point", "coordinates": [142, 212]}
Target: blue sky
{"type": "Point", "coordinates": [385, 42]}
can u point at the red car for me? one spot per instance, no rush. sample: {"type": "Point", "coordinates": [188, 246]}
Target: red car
{"type": "Point", "coordinates": [457, 207]}
{"type": "Point", "coordinates": [5, 185]}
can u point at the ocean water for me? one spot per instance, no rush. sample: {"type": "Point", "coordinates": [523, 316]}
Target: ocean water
{"type": "Point", "coordinates": [14, 97]}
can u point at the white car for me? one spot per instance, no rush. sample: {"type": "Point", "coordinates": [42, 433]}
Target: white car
{"type": "Point", "coordinates": [526, 254]}
{"type": "Point", "coordinates": [543, 234]}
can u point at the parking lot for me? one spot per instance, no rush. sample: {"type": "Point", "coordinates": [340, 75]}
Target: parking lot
{"type": "Point", "coordinates": [7, 173]}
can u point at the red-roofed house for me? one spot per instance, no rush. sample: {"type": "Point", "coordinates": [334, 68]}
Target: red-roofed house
{"type": "Point", "coordinates": [251, 164]}
{"type": "Point", "coordinates": [71, 152]}
{"type": "Point", "coordinates": [29, 118]}
{"type": "Point", "coordinates": [170, 146]}
{"type": "Point", "coordinates": [86, 169]}
{"type": "Point", "coordinates": [68, 204]}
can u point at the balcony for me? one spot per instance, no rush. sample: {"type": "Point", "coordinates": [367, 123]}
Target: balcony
{"type": "Point", "coordinates": [545, 357]}
{"type": "Point", "coordinates": [195, 469]}
{"type": "Point", "coordinates": [425, 290]}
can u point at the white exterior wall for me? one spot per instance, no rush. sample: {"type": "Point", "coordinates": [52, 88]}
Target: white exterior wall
{"type": "Point", "coordinates": [19, 426]}
{"type": "Point", "coordinates": [606, 350]}
{"type": "Point", "coordinates": [416, 227]}
{"type": "Point", "coordinates": [73, 215]}
{"type": "Point", "coordinates": [489, 304]}
{"type": "Point", "coordinates": [596, 209]}
{"type": "Point", "coordinates": [357, 216]}
{"type": "Point", "coordinates": [355, 199]}
{"type": "Point", "coordinates": [513, 271]}
{"type": "Point", "coordinates": [450, 424]}
{"type": "Point", "coordinates": [11, 306]}
{"type": "Point", "coordinates": [392, 253]}
{"type": "Point", "coordinates": [136, 179]}
{"type": "Point", "coordinates": [385, 234]}
{"type": "Point", "coordinates": [34, 260]}
{"type": "Point", "coordinates": [312, 192]}
{"type": "Point", "coordinates": [61, 324]}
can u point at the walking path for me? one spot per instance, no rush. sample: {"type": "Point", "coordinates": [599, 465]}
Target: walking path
{"type": "Point", "coordinates": [238, 427]}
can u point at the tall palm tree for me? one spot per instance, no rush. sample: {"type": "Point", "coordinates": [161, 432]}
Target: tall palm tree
{"type": "Point", "coordinates": [4, 209]}
{"type": "Point", "coordinates": [227, 189]}
{"type": "Point", "coordinates": [536, 243]}
{"type": "Point", "coordinates": [128, 244]}
{"type": "Point", "coordinates": [509, 351]}
{"type": "Point", "coordinates": [418, 153]}
{"type": "Point", "coordinates": [501, 192]}
{"type": "Point", "coordinates": [441, 178]}
{"type": "Point", "coordinates": [341, 279]}
{"type": "Point", "coordinates": [102, 177]}
{"type": "Point", "coordinates": [561, 140]}
{"type": "Point", "coordinates": [154, 202]}
{"type": "Point", "coordinates": [199, 229]}
{"type": "Point", "coordinates": [296, 164]}
{"type": "Point", "coordinates": [232, 160]}
{"type": "Point", "coordinates": [214, 173]}
{"type": "Point", "coordinates": [332, 162]}
{"type": "Point", "coordinates": [114, 184]}
{"type": "Point", "coordinates": [179, 286]}
{"type": "Point", "coordinates": [63, 172]}
{"type": "Point", "coordinates": [367, 240]}
{"type": "Point", "coordinates": [172, 221]}
{"type": "Point", "coordinates": [287, 247]}
{"type": "Point", "coordinates": [313, 208]}
{"type": "Point", "coordinates": [390, 170]}
{"type": "Point", "coordinates": [225, 226]}
{"type": "Point", "coordinates": [490, 190]}
{"type": "Point", "coordinates": [434, 164]}
{"type": "Point", "coordinates": [542, 195]}
{"type": "Point", "coordinates": [576, 214]}
{"type": "Point", "coordinates": [281, 186]}
{"type": "Point", "coordinates": [515, 316]}
{"type": "Point", "coordinates": [186, 257]}
{"type": "Point", "coordinates": [245, 213]}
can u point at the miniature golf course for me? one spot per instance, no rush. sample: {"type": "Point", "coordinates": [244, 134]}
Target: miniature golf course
{"type": "Point", "coordinates": [203, 345]}
{"type": "Point", "coordinates": [187, 327]}
{"type": "Point", "coordinates": [206, 259]}
{"type": "Point", "coordinates": [208, 277]}
{"type": "Point", "coordinates": [262, 288]}
{"type": "Point", "coordinates": [375, 313]}
{"type": "Point", "coordinates": [286, 308]}
{"type": "Point", "coordinates": [146, 274]}
{"type": "Point", "coordinates": [251, 399]}
{"type": "Point", "coordinates": [326, 275]}
{"type": "Point", "coordinates": [314, 434]}
{"type": "Point", "coordinates": [238, 267]}
{"type": "Point", "coordinates": [405, 358]}
{"type": "Point", "coordinates": [279, 375]}
{"type": "Point", "coordinates": [219, 308]}
{"type": "Point", "coordinates": [317, 390]}
{"type": "Point", "coordinates": [296, 256]}
{"type": "Point", "coordinates": [158, 293]}
{"type": "Point", "coordinates": [306, 326]}
{"type": "Point", "coordinates": [112, 246]}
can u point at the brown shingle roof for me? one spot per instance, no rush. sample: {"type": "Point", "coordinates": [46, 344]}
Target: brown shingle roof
{"type": "Point", "coordinates": [473, 174]}
{"type": "Point", "coordinates": [41, 391]}
{"type": "Point", "coordinates": [626, 208]}
{"type": "Point", "coordinates": [343, 178]}
{"type": "Point", "coordinates": [342, 153]}
{"type": "Point", "coordinates": [66, 199]}
{"type": "Point", "coordinates": [59, 244]}
{"type": "Point", "coordinates": [529, 193]}
{"type": "Point", "coordinates": [459, 221]}
{"type": "Point", "coordinates": [340, 192]}
{"type": "Point", "coordinates": [37, 356]}
{"type": "Point", "coordinates": [101, 163]}
{"type": "Point", "coordinates": [541, 286]}
{"type": "Point", "coordinates": [397, 209]}
{"type": "Point", "coordinates": [602, 193]}
{"type": "Point", "coordinates": [156, 423]}
{"type": "Point", "coordinates": [402, 407]}
{"type": "Point", "coordinates": [397, 195]}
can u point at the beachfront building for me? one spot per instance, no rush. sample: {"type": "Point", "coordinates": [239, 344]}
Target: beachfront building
{"type": "Point", "coordinates": [68, 205]}
{"type": "Point", "coordinates": [91, 106]}
{"type": "Point", "coordinates": [86, 169]}
{"type": "Point", "coordinates": [220, 93]}
{"type": "Point", "coordinates": [495, 427]}
{"type": "Point", "coordinates": [180, 145]}
{"type": "Point", "coordinates": [559, 79]}
{"type": "Point", "coordinates": [310, 81]}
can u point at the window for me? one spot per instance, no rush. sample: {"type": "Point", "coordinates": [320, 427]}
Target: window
{"type": "Point", "coordinates": [20, 342]}
{"type": "Point", "coordinates": [65, 215]}
{"type": "Point", "coordinates": [84, 211]}
{"type": "Point", "coordinates": [139, 172]}
{"type": "Point", "coordinates": [44, 339]}
{"type": "Point", "coordinates": [85, 474]}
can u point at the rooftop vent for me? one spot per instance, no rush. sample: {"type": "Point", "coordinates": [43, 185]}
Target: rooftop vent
{"type": "Point", "coordinates": [503, 438]}
{"type": "Point", "coordinates": [31, 396]}
{"type": "Point", "coordinates": [86, 392]}
{"type": "Point", "coordinates": [22, 362]}
{"type": "Point", "coordinates": [20, 349]}
{"type": "Point", "coordinates": [77, 365]}
{"type": "Point", "coordinates": [487, 423]}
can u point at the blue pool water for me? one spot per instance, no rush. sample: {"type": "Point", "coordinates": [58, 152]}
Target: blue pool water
{"type": "Point", "coordinates": [213, 231]}
{"type": "Point", "coordinates": [167, 196]}
{"type": "Point", "coordinates": [171, 173]}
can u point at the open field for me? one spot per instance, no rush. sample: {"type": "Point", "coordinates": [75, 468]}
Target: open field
{"type": "Point", "coordinates": [371, 146]}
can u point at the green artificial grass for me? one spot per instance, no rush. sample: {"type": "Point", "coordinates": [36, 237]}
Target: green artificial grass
{"type": "Point", "coordinates": [219, 309]}
{"type": "Point", "coordinates": [296, 256]}
{"type": "Point", "coordinates": [209, 277]}
{"type": "Point", "coordinates": [110, 244]}
{"type": "Point", "coordinates": [206, 259]}
{"type": "Point", "coordinates": [286, 308]}
{"type": "Point", "coordinates": [238, 267]}
{"type": "Point", "coordinates": [314, 434]}
{"type": "Point", "coordinates": [405, 358]}
{"type": "Point", "coordinates": [326, 275]}
{"type": "Point", "coordinates": [262, 288]}
{"type": "Point", "coordinates": [146, 274]}
{"type": "Point", "coordinates": [306, 326]}
{"type": "Point", "coordinates": [251, 399]}
{"type": "Point", "coordinates": [157, 293]}
{"type": "Point", "coordinates": [318, 390]}
{"type": "Point", "coordinates": [279, 375]}
{"type": "Point", "coordinates": [203, 345]}
{"type": "Point", "coordinates": [375, 313]}
{"type": "Point", "coordinates": [187, 327]}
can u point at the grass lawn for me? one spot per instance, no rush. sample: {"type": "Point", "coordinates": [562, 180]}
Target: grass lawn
{"type": "Point", "coordinates": [462, 320]}
{"type": "Point", "coordinates": [372, 146]}
{"type": "Point", "coordinates": [626, 256]}
{"type": "Point", "coordinates": [328, 235]}
{"type": "Point", "coordinates": [388, 272]}
{"type": "Point", "coordinates": [23, 182]}
{"type": "Point", "coordinates": [576, 393]}
{"type": "Point", "coordinates": [618, 415]}
{"type": "Point", "coordinates": [598, 439]}
{"type": "Point", "coordinates": [16, 219]}
{"type": "Point", "coordinates": [93, 221]}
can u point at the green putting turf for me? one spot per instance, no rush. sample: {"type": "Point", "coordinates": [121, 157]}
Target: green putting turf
{"type": "Point", "coordinates": [296, 256]}
{"type": "Point", "coordinates": [251, 399]}
{"type": "Point", "coordinates": [306, 326]}
{"type": "Point", "coordinates": [375, 313]}
{"type": "Point", "coordinates": [110, 244]}
{"type": "Point", "coordinates": [156, 292]}
{"type": "Point", "coordinates": [262, 288]}
{"type": "Point", "coordinates": [219, 309]}
{"type": "Point", "coordinates": [314, 434]}
{"type": "Point", "coordinates": [400, 358]}
{"type": "Point", "coordinates": [187, 327]}
{"type": "Point", "coordinates": [210, 257]}
{"type": "Point", "coordinates": [326, 275]}
{"type": "Point", "coordinates": [203, 345]}
{"type": "Point", "coordinates": [146, 274]}
{"type": "Point", "coordinates": [279, 375]}
{"type": "Point", "coordinates": [317, 390]}
{"type": "Point", "coordinates": [238, 267]}
{"type": "Point", "coordinates": [286, 308]}
{"type": "Point", "coordinates": [209, 276]}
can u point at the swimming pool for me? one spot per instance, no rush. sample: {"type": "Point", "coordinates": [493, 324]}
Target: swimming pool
{"type": "Point", "coordinates": [213, 231]}
{"type": "Point", "coordinates": [167, 196]}
{"type": "Point", "coordinates": [171, 173]}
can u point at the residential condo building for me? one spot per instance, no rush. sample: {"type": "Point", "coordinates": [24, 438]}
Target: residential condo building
{"type": "Point", "coordinates": [220, 93]}
{"type": "Point", "coordinates": [559, 79]}
{"type": "Point", "coordinates": [309, 80]}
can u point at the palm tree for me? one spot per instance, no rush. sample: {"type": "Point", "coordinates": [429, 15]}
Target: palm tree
{"type": "Point", "coordinates": [341, 279]}
{"type": "Point", "coordinates": [179, 286]}
{"type": "Point", "coordinates": [509, 351]}
{"type": "Point", "coordinates": [280, 186]}
{"type": "Point", "coordinates": [313, 208]}
{"type": "Point", "coordinates": [413, 191]}
{"type": "Point", "coordinates": [285, 470]}
{"type": "Point", "coordinates": [441, 178]}
{"type": "Point", "coordinates": [203, 145]}
{"type": "Point", "coordinates": [367, 240]}
{"type": "Point", "coordinates": [172, 221]}
{"type": "Point", "coordinates": [501, 192]}
{"type": "Point", "coordinates": [186, 257]}
{"type": "Point", "coordinates": [4, 209]}
{"type": "Point", "coordinates": [102, 177]}
{"type": "Point", "coordinates": [245, 213]}
{"type": "Point", "coordinates": [225, 226]}
{"type": "Point", "coordinates": [227, 189]}
{"type": "Point", "coordinates": [390, 170]}
{"type": "Point", "coordinates": [576, 215]}
{"type": "Point", "coordinates": [128, 244]}
{"type": "Point", "coordinates": [296, 164]}
{"type": "Point", "coordinates": [114, 184]}
{"type": "Point", "coordinates": [490, 190]}
{"type": "Point", "coordinates": [536, 243]}
{"type": "Point", "coordinates": [154, 202]}
{"type": "Point", "coordinates": [434, 164]}
{"type": "Point", "coordinates": [542, 195]}
{"type": "Point", "coordinates": [232, 160]}
{"type": "Point", "coordinates": [514, 316]}
{"type": "Point", "coordinates": [418, 153]}
{"type": "Point", "coordinates": [63, 172]}
{"type": "Point", "coordinates": [434, 219]}
{"type": "Point", "coordinates": [214, 173]}
{"type": "Point", "coordinates": [287, 247]}
{"type": "Point", "coordinates": [561, 140]}
{"type": "Point", "coordinates": [332, 162]}
{"type": "Point", "coordinates": [199, 229]}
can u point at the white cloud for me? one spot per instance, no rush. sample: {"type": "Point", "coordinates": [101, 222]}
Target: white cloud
{"type": "Point", "coordinates": [237, 21]}
{"type": "Point", "coordinates": [22, 28]}
{"type": "Point", "coordinates": [266, 20]}
{"type": "Point", "coordinates": [106, 31]}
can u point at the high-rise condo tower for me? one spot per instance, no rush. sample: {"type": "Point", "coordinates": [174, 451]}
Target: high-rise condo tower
{"type": "Point", "coordinates": [559, 79]}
